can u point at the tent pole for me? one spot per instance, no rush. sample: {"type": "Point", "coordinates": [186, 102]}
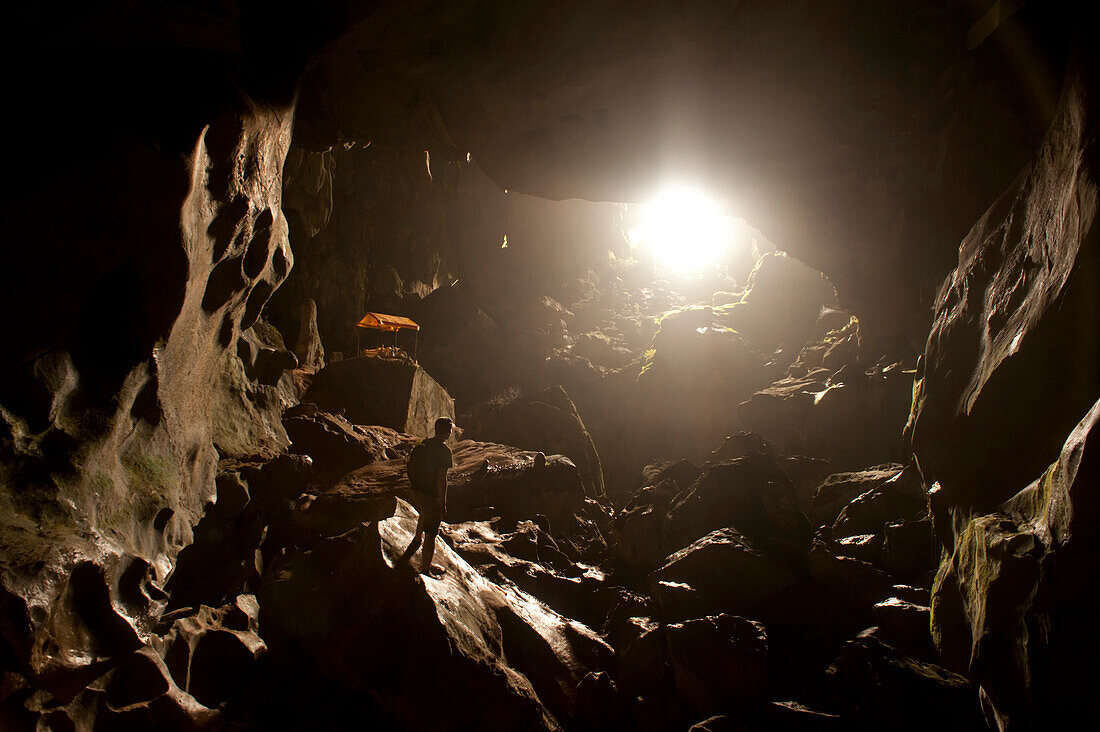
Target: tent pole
{"type": "Point", "coordinates": [416, 342]}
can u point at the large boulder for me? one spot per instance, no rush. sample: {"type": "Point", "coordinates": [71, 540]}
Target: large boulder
{"type": "Point", "coordinates": [373, 390]}
{"type": "Point", "coordinates": [888, 690]}
{"type": "Point", "coordinates": [840, 489]}
{"type": "Point", "coordinates": [718, 663]}
{"type": "Point", "coordinates": [696, 581]}
{"type": "Point", "coordinates": [641, 527]}
{"type": "Point", "coordinates": [781, 303]}
{"type": "Point", "coordinates": [898, 498]}
{"type": "Point", "coordinates": [909, 549]}
{"type": "Point", "coordinates": [696, 369]}
{"type": "Point", "coordinates": [516, 484]}
{"type": "Point", "coordinates": [750, 494]}
{"type": "Point", "coordinates": [547, 422]}
{"type": "Point", "coordinates": [461, 639]}
{"type": "Point", "coordinates": [337, 446]}
{"type": "Point", "coordinates": [905, 625]}
{"type": "Point", "coordinates": [840, 593]}
{"type": "Point", "coordinates": [1007, 369]}
{"type": "Point", "coordinates": [853, 418]}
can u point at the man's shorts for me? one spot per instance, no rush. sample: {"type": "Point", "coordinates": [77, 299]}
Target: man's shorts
{"type": "Point", "coordinates": [428, 508]}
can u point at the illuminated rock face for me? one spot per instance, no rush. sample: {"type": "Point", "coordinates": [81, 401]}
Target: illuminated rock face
{"type": "Point", "coordinates": [456, 638]}
{"type": "Point", "coordinates": [109, 454]}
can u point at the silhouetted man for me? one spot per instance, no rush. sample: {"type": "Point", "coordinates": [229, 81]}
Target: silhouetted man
{"type": "Point", "coordinates": [427, 469]}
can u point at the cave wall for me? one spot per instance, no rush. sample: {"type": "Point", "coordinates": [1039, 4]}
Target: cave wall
{"type": "Point", "coordinates": [1003, 425]}
{"type": "Point", "coordinates": [144, 240]}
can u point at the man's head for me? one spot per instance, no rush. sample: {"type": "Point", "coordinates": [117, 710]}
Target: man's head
{"type": "Point", "coordinates": [443, 428]}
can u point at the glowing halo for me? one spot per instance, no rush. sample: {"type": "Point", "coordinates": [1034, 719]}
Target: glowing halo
{"type": "Point", "coordinates": [683, 229]}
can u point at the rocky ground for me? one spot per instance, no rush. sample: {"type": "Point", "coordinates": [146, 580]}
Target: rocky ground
{"type": "Point", "coordinates": [729, 543]}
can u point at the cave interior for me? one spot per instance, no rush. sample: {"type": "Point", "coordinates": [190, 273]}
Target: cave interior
{"type": "Point", "coordinates": [769, 331]}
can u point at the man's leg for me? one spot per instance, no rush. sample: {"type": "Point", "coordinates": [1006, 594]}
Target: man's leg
{"type": "Point", "coordinates": [415, 543]}
{"type": "Point", "coordinates": [431, 529]}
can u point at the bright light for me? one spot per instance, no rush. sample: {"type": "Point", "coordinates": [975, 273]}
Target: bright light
{"type": "Point", "coordinates": [684, 230]}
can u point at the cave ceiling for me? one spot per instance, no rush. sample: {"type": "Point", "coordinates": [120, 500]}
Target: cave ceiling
{"type": "Point", "coordinates": [866, 137]}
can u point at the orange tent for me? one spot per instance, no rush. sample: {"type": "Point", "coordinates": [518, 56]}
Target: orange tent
{"type": "Point", "coordinates": [389, 324]}
{"type": "Point", "coordinates": [381, 321]}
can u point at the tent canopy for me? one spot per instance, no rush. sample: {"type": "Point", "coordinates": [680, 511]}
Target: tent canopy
{"type": "Point", "coordinates": [390, 323]}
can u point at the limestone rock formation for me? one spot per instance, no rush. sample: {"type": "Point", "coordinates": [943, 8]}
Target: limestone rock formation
{"type": "Point", "coordinates": [1015, 570]}
{"type": "Point", "coordinates": [108, 418]}
{"type": "Point", "coordinates": [308, 348]}
{"type": "Point", "coordinates": [1006, 374]}
{"type": "Point", "coordinates": [548, 422]}
{"type": "Point", "coordinates": [465, 624]}
{"type": "Point", "coordinates": [392, 392]}
{"type": "Point", "coordinates": [803, 177]}
{"type": "Point", "coordinates": [186, 545]}
{"type": "Point", "coordinates": [335, 445]}
{"type": "Point", "coordinates": [1019, 302]}
{"type": "Point", "coordinates": [254, 386]}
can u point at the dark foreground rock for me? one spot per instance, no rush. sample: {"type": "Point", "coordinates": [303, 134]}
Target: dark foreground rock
{"type": "Point", "coordinates": [851, 417]}
{"type": "Point", "coordinates": [901, 497]}
{"type": "Point", "coordinates": [695, 580]}
{"type": "Point", "coordinates": [839, 489]}
{"type": "Point", "coordinates": [888, 690]}
{"type": "Point", "coordinates": [247, 525]}
{"type": "Point", "coordinates": [751, 494]}
{"type": "Point", "coordinates": [718, 663]}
